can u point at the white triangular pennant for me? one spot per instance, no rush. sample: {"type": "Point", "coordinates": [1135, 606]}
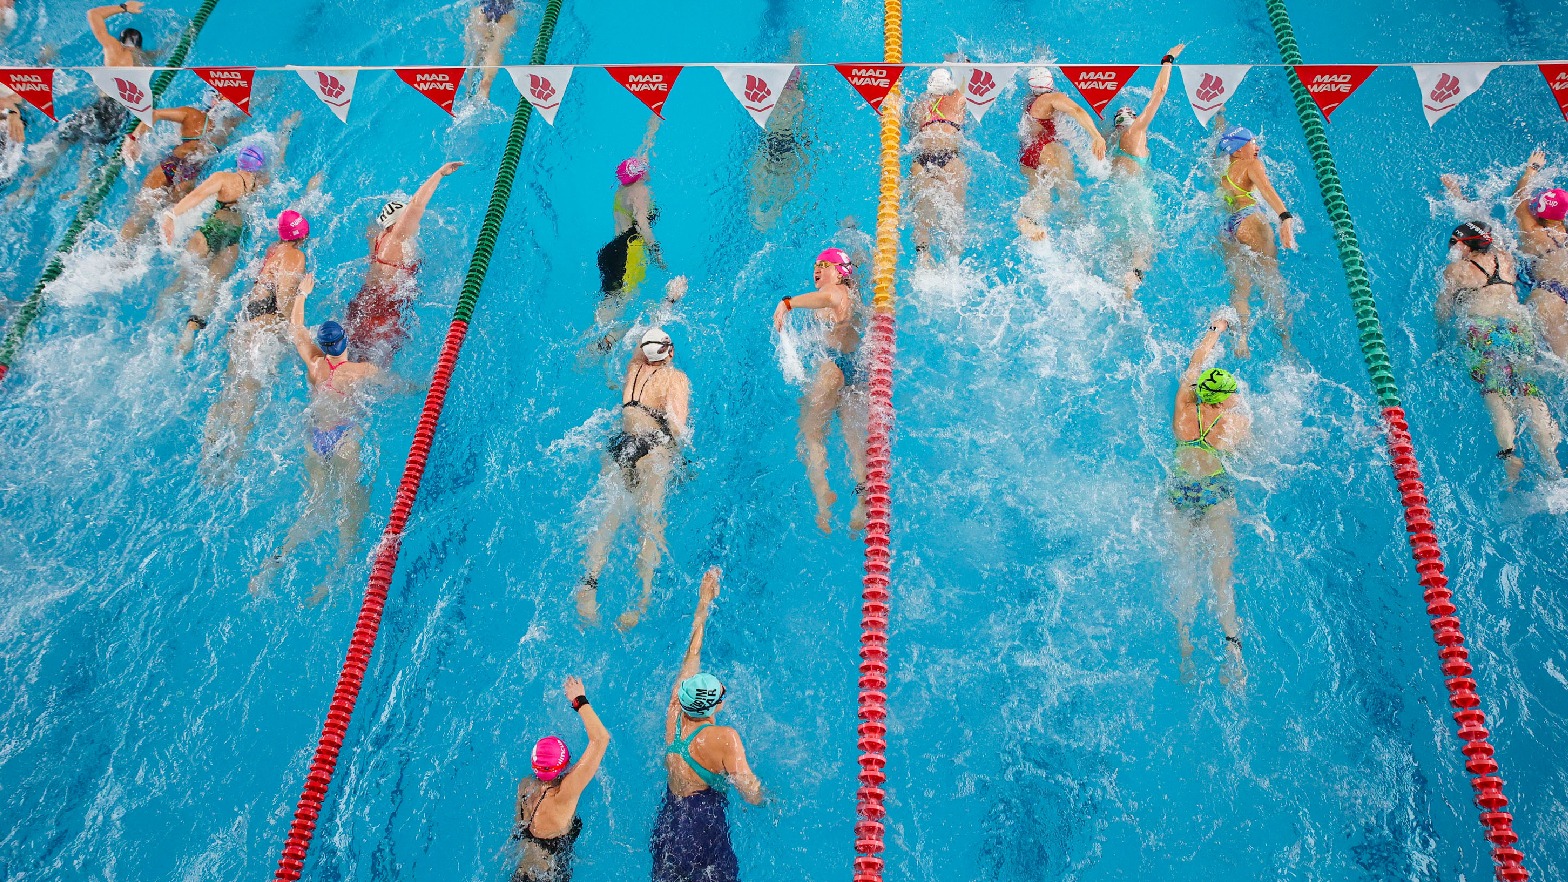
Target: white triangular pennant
{"type": "Point", "coordinates": [1443, 86]}
{"type": "Point", "coordinates": [984, 83]}
{"type": "Point", "coordinates": [1209, 86]}
{"type": "Point", "coordinates": [756, 86]}
{"type": "Point", "coordinates": [544, 85]}
{"type": "Point", "coordinates": [131, 86]}
{"type": "Point", "coordinates": [333, 85]}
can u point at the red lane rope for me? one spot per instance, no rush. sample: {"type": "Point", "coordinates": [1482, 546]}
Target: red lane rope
{"type": "Point", "coordinates": [872, 731]}
{"type": "Point", "coordinates": [369, 623]}
{"type": "Point", "coordinates": [1457, 672]}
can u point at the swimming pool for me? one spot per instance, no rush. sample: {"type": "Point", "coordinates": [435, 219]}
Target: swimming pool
{"type": "Point", "coordinates": [1039, 729]}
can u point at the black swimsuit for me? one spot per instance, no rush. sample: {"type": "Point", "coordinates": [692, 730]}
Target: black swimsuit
{"type": "Point", "coordinates": [628, 448]}
{"type": "Point", "coordinates": [1494, 276]}
{"type": "Point", "coordinates": [557, 849]}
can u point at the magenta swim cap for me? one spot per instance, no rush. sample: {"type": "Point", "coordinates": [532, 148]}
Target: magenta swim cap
{"type": "Point", "coordinates": [838, 258]}
{"type": "Point", "coordinates": [292, 226]}
{"type": "Point", "coordinates": [1550, 204]}
{"type": "Point", "coordinates": [630, 171]}
{"type": "Point", "coordinates": [550, 758]}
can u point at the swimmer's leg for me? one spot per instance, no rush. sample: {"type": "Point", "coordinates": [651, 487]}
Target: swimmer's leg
{"type": "Point", "coordinates": [951, 207]}
{"type": "Point", "coordinates": [853, 413]}
{"type": "Point", "coordinates": [816, 408]}
{"type": "Point", "coordinates": [305, 528]}
{"type": "Point", "coordinates": [1504, 430]}
{"type": "Point", "coordinates": [652, 475]}
{"type": "Point", "coordinates": [598, 553]}
{"type": "Point", "coordinates": [1056, 163]}
{"type": "Point", "coordinates": [1220, 523]}
{"type": "Point", "coordinates": [346, 471]}
{"type": "Point", "coordinates": [1184, 583]}
{"type": "Point", "coordinates": [1545, 434]}
{"type": "Point", "coordinates": [1240, 292]}
{"type": "Point", "coordinates": [500, 33]}
{"type": "Point", "coordinates": [153, 195]}
{"type": "Point", "coordinates": [1553, 313]}
{"type": "Point", "coordinates": [922, 207]}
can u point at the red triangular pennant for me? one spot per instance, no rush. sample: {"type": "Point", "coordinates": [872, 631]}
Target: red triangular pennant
{"type": "Point", "coordinates": [1557, 78]}
{"type": "Point", "coordinates": [34, 84]}
{"type": "Point", "coordinates": [1098, 85]}
{"type": "Point", "coordinates": [439, 84]}
{"type": "Point", "coordinates": [233, 83]}
{"type": "Point", "coordinates": [872, 81]}
{"type": "Point", "coordinates": [1330, 84]}
{"type": "Point", "coordinates": [651, 83]}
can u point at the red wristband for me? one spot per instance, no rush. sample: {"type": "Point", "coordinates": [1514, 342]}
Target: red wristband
{"type": "Point", "coordinates": [788, 307]}
{"type": "Point", "coordinates": [579, 702]}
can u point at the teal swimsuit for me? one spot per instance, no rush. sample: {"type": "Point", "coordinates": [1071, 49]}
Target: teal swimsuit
{"type": "Point", "coordinates": [681, 747]}
{"type": "Point", "coordinates": [1194, 495]}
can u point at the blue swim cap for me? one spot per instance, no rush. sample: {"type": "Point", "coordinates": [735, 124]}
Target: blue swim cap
{"type": "Point", "coordinates": [250, 159]}
{"type": "Point", "coordinates": [1234, 139]}
{"type": "Point", "coordinates": [700, 694]}
{"type": "Point", "coordinates": [331, 339]}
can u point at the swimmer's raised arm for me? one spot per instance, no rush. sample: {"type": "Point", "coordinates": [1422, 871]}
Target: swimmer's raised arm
{"type": "Point", "coordinates": [308, 352]}
{"type": "Point", "coordinates": [98, 20]}
{"type": "Point", "coordinates": [1204, 350]}
{"type": "Point", "coordinates": [1259, 176]}
{"type": "Point", "coordinates": [205, 190]}
{"type": "Point", "coordinates": [598, 742]}
{"type": "Point", "coordinates": [810, 300]}
{"type": "Point", "coordinates": [1526, 217]}
{"type": "Point", "coordinates": [679, 407]}
{"type": "Point", "coordinates": [692, 663]}
{"type": "Point", "coordinates": [1062, 104]}
{"type": "Point", "coordinates": [408, 222]}
{"type": "Point", "coordinates": [1162, 84]}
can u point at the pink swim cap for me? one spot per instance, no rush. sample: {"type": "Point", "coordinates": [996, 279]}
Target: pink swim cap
{"type": "Point", "coordinates": [550, 758]}
{"type": "Point", "coordinates": [1550, 204]}
{"type": "Point", "coordinates": [630, 171]}
{"type": "Point", "coordinates": [292, 226]}
{"type": "Point", "coordinates": [838, 258]}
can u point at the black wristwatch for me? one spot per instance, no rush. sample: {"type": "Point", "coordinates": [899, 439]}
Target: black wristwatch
{"type": "Point", "coordinates": [1285, 215]}
{"type": "Point", "coordinates": [580, 702]}
{"type": "Point", "coordinates": [1169, 59]}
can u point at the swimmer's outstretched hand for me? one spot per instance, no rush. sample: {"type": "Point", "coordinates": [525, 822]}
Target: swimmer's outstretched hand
{"type": "Point", "coordinates": [574, 689]}
{"type": "Point", "coordinates": [1287, 235]}
{"type": "Point", "coordinates": [166, 226]}
{"type": "Point", "coordinates": [1175, 51]}
{"type": "Point", "coordinates": [675, 289]}
{"type": "Point", "coordinates": [709, 590]}
{"type": "Point", "coordinates": [132, 6]}
{"type": "Point", "coordinates": [447, 169]}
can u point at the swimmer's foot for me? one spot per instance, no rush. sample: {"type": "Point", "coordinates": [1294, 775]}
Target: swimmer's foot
{"type": "Point", "coordinates": [628, 620]}
{"type": "Point", "coordinates": [588, 602]}
{"type": "Point", "coordinates": [188, 336]}
{"type": "Point", "coordinates": [825, 512]}
{"type": "Point", "coordinates": [1189, 672]}
{"type": "Point", "coordinates": [1512, 465]}
{"type": "Point", "coordinates": [1233, 673]}
{"type": "Point", "coordinates": [260, 581]}
{"type": "Point", "coordinates": [1242, 349]}
{"type": "Point", "coordinates": [857, 516]}
{"type": "Point", "coordinates": [320, 594]}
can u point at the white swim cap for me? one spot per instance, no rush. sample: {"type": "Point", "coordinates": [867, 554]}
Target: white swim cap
{"type": "Point", "coordinates": [1041, 79]}
{"type": "Point", "coordinates": [941, 82]}
{"type": "Point", "coordinates": [389, 213]}
{"type": "Point", "coordinates": [656, 345]}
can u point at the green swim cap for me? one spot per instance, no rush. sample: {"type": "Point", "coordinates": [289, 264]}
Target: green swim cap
{"type": "Point", "coordinates": [700, 694]}
{"type": "Point", "coordinates": [1216, 385]}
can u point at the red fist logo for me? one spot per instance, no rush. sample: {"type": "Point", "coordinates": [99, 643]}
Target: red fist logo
{"type": "Point", "coordinates": [1210, 88]}
{"type": "Point", "coordinates": [540, 88]}
{"type": "Point", "coordinates": [757, 90]}
{"type": "Point", "coordinates": [129, 91]}
{"type": "Point", "coordinates": [1446, 88]}
{"type": "Point", "coordinates": [981, 83]}
{"type": "Point", "coordinates": [330, 86]}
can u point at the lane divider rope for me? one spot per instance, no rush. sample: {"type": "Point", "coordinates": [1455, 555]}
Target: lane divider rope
{"type": "Point", "coordinates": [340, 712]}
{"type": "Point", "coordinates": [875, 594]}
{"type": "Point", "coordinates": [109, 171]}
{"type": "Point", "coordinates": [1458, 673]}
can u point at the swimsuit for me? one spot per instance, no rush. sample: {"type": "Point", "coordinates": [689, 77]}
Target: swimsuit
{"type": "Point", "coordinates": [557, 850]}
{"type": "Point", "coordinates": [1029, 155]}
{"type": "Point", "coordinates": [374, 321]}
{"type": "Point", "coordinates": [629, 448]}
{"type": "Point", "coordinates": [1116, 150]}
{"type": "Point", "coordinates": [936, 158]}
{"type": "Point", "coordinates": [1556, 286]}
{"type": "Point", "coordinates": [1499, 350]}
{"type": "Point", "coordinates": [1238, 212]}
{"type": "Point", "coordinates": [184, 168]}
{"type": "Point", "coordinates": [495, 9]}
{"type": "Point", "coordinates": [847, 363]}
{"type": "Point", "coordinates": [224, 227]}
{"type": "Point", "coordinates": [623, 263]}
{"type": "Point", "coordinates": [1193, 495]}
{"type": "Point", "coordinates": [691, 835]}
{"type": "Point", "coordinates": [97, 123]}
{"type": "Point", "coordinates": [326, 441]}
{"type": "Point", "coordinates": [256, 307]}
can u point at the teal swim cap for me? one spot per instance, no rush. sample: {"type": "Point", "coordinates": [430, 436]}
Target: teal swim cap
{"type": "Point", "coordinates": [1216, 385]}
{"type": "Point", "coordinates": [700, 694]}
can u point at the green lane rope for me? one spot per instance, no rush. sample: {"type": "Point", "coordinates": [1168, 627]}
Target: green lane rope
{"type": "Point", "coordinates": [108, 173]}
{"type": "Point", "coordinates": [1367, 321]}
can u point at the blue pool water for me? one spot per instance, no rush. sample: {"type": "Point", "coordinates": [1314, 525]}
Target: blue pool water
{"type": "Point", "coordinates": [162, 718]}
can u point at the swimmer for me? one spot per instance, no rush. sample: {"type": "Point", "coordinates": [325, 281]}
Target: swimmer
{"type": "Point", "coordinates": [1129, 156]}
{"type": "Point", "coordinates": [375, 315]}
{"type": "Point", "coordinates": [1480, 296]}
{"type": "Point", "coordinates": [547, 825]}
{"type": "Point", "coordinates": [703, 760]}
{"type": "Point", "coordinates": [1046, 162]}
{"type": "Point", "coordinates": [938, 175]}
{"type": "Point", "coordinates": [655, 401]}
{"type": "Point", "coordinates": [100, 122]}
{"type": "Point", "coordinates": [214, 247]}
{"type": "Point", "coordinates": [781, 164]}
{"type": "Point", "coordinates": [176, 174]}
{"type": "Point", "coordinates": [623, 263]}
{"type": "Point", "coordinates": [1543, 237]}
{"type": "Point", "coordinates": [491, 25]}
{"type": "Point", "coordinates": [1208, 424]}
{"type": "Point", "coordinates": [336, 416]}
{"type": "Point", "coordinates": [13, 130]}
{"type": "Point", "coordinates": [256, 342]}
{"type": "Point", "coordinates": [838, 386]}
{"type": "Point", "coordinates": [7, 17]}
{"type": "Point", "coordinates": [1246, 239]}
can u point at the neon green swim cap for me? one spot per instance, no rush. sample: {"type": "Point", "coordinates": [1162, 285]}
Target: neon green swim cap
{"type": "Point", "coordinates": [1216, 385]}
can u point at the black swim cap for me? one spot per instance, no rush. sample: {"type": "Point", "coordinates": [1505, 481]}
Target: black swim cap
{"type": "Point", "coordinates": [1476, 235]}
{"type": "Point", "coordinates": [131, 36]}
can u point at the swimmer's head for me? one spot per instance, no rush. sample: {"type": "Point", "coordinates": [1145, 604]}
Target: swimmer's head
{"type": "Point", "coordinates": [630, 171]}
{"type": "Point", "coordinates": [1215, 385]}
{"type": "Point", "coordinates": [1473, 235]}
{"type": "Point", "coordinates": [131, 37]}
{"type": "Point", "coordinates": [1550, 204]}
{"type": "Point", "coordinates": [390, 213]}
{"type": "Point", "coordinates": [941, 82]}
{"type": "Point", "coordinates": [331, 339]}
{"type": "Point", "coordinates": [838, 260]}
{"type": "Point", "coordinates": [1124, 115]}
{"type": "Point", "coordinates": [292, 226]}
{"type": "Point", "coordinates": [1041, 80]}
{"type": "Point", "coordinates": [251, 159]}
{"type": "Point", "coordinates": [550, 758]}
{"type": "Point", "coordinates": [700, 695]}
{"type": "Point", "coordinates": [1234, 138]}
{"type": "Point", "coordinates": [656, 345]}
